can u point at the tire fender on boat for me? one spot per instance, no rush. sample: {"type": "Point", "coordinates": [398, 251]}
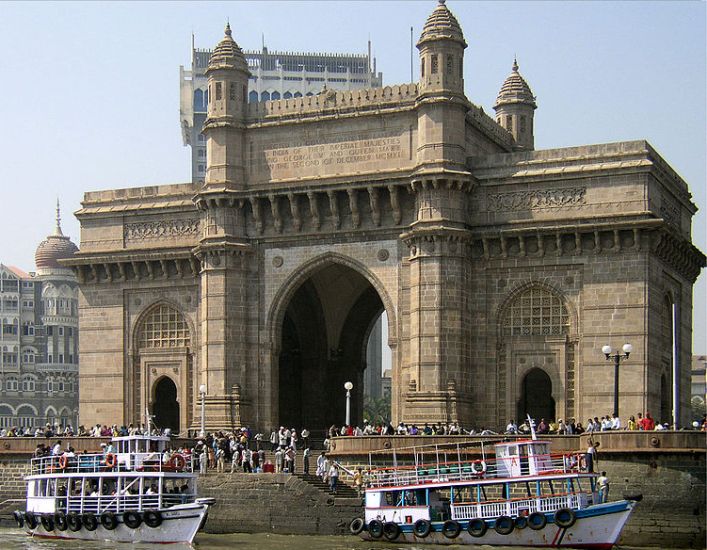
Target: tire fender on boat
{"type": "Point", "coordinates": [132, 519]}
{"type": "Point", "coordinates": [477, 527]}
{"type": "Point", "coordinates": [391, 531]}
{"type": "Point", "coordinates": [521, 522]}
{"type": "Point", "coordinates": [504, 525]}
{"type": "Point", "coordinates": [89, 521]}
{"type": "Point", "coordinates": [422, 528]}
{"type": "Point", "coordinates": [31, 520]}
{"type": "Point", "coordinates": [60, 521]}
{"type": "Point", "coordinates": [451, 529]}
{"type": "Point", "coordinates": [375, 528]}
{"type": "Point", "coordinates": [73, 520]}
{"type": "Point", "coordinates": [537, 521]}
{"type": "Point", "coordinates": [19, 518]}
{"type": "Point", "coordinates": [109, 521]}
{"type": "Point", "coordinates": [152, 518]}
{"type": "Point", "coordinates": [48, 522]}
{"type": "Point", "coordinates": [565, 518]}
{"type": "Point", "coordinates": [356, 526]}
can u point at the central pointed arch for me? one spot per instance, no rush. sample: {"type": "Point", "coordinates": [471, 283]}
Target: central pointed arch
{"type": "Point", "coordinates": [319, 324]}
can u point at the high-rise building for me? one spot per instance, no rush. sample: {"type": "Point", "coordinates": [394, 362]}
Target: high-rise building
{"type": "Point", "coordinates": [274, 75]}
{"type": "Point", "coordinates": [40, 339]}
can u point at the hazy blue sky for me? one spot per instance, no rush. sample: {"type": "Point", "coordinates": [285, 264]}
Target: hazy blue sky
{"type": "Point", "coordinates": [90, 98]}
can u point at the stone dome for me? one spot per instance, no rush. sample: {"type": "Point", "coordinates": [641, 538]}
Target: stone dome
{"type": "Point", "coordinates": [515, 90]}
{"type": "Point", "coordinates": [54, 248]}
{"type": "Point", "coordinates": [227, 54]}
{"type": "Point", "coordinates": [441, 24]}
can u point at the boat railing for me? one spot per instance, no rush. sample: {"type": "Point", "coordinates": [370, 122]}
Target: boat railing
{"type": "Point", "coordinates": [111, 462]}
{"type": "Point", "coordinates": [120, 503]}
{"type": "Point", "coordinates": [520, 507]}
{"type": "Point", "coordinates": [467, 470]}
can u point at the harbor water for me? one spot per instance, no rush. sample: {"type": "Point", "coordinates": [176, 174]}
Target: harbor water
{"type": "Point", "coordinates": [15, 539]}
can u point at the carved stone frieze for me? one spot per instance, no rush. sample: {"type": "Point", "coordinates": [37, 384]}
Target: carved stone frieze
{"type": "Point", "coordinates": [543, 198]}
{"type": "Point", "coordinates": [161, 229]}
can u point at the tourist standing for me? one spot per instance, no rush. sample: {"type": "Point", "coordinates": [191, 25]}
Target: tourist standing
{"type": "Point", "coordinates": [590, 458]}
{"type": "Point", "coordinates": [603, 487]}
{"type": "Point", "coordinates": [333, 477]}
{"type": "Point", "coordinates": [305, 459]}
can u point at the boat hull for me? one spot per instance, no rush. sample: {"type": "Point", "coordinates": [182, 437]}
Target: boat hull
{"type": "Point", "coordinates": [596, 527]}
{"type": "Point", "coordinates": [179, 524]}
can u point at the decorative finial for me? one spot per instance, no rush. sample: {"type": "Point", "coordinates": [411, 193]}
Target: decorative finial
{"type": "Point", "coordinates": [228, 28]}
{"type": "Point", "coordinates": [57, 229]}
{"type": "Point", "coordinates": [441, 2]}
{"type": "Point", "coordinates": [515, 64]}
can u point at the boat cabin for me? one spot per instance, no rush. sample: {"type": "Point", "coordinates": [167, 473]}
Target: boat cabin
{"type": "Point", "coordinates": [523, 458]}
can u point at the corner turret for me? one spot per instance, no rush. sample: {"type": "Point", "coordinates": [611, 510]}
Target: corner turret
{"type": "Point", "coordinates": [515, 106]}
{"type": "Point", "coordinates": [441, 46]}
{"type": "Point", "coordinates": [227, 75]}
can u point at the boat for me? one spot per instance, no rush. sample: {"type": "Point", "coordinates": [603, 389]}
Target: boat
{"type": "Point", "coordinates": [522, 495]}
{"type": "Point", "coordinates": [137, 491]}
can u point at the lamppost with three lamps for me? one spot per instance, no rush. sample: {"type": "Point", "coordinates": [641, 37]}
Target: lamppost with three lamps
{"type": "Point", "coordinates": [617, 357]}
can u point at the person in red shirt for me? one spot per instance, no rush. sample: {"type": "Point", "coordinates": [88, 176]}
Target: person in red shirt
{"type": "Point", "coordinates": [648, 422]}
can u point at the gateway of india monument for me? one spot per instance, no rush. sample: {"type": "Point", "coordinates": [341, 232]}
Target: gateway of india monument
{"type": "Point", "coordinates": [503, 270]}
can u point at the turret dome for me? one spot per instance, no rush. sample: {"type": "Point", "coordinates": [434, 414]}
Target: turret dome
{"type": "Point", "coordinates": [227, 54]}
{"type": "Point", "coordinates": [515, 90]}
{"type": "Point", "coordinates": [441, 24]}
{"type": "Point", "coordinates": [54, 248]}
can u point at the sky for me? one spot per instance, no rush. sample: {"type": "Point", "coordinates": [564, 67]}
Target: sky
{"type": "Point", "coordinates": [91, 94]}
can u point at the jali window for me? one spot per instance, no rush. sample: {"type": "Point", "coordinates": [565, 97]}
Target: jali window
{"type": "Point", "coordinates": [536, 312]}
{"type": "Point", "coordinates": [164, 327]}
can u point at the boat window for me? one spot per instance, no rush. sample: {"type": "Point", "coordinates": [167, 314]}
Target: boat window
{"type": "Point", "coordinates": [464, 494]}
{"type": "Point", "coordinates": [393, 498]}
{"type": "Point", "coordinates": [415, 498]}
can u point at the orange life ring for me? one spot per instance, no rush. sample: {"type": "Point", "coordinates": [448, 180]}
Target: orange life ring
{"type": "Point", "coordinates": [63, 461]}
{"type": "Point", "coordinates": [178, 462]}
{"type": "Point", "coordinates": [111, 460]}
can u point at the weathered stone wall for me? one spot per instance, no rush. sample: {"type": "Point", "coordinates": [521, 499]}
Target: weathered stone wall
{"type": "Point", "coordinates": [274, 503]}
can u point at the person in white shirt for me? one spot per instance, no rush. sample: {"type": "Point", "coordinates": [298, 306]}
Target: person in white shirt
{"type": "Point", "coordinates": [512, 428]}
{"type": "Point", "coordinates": [615, 422]}
{"type": "Point", "coordinates": [603, 487]}
{"type": "Point", "coordinates": [56, 449]}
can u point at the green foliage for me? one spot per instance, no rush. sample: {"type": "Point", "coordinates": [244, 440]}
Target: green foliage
{"type": "Point", "coordinates": [377, 411]}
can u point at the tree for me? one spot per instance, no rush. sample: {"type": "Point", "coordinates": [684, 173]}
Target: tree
{"type": "Point", "coordinates": [377, 410]}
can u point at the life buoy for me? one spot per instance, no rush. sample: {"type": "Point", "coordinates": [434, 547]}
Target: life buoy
{"type": "Point", "coordinates": [73, 520]}
{"type": "Point", "coordinates": [478, 467]}
{"type": "Point", "coordinates": [504, 525]}
{"type": "Point", "coordinates": [177, 462]}
{"type": "Point", "coordinates": [537, 521]}
{"type": "Point", "coordinates": [451, 529]}
{"type": "Point", "coordinates": [477, 527]}
{"type": "Point", "coordinates": [48, 522]}
{"type": "Point", "coordinates": [60, 521]}
{"type": "Point", "coordinates": [109, 521]}
{"type": "Point", "coordinates": [89, 522]}
{"type": "Point", "coordinates": [63, 461]}
{"type": "Point", "coordinates": [565, 518]}
{"type": "Point", "coordinates": [110, 460]}
{"type": "Point", "coordinates": [391, 531]}
{"type": "Point", "coordinates": [153, 518]}
{"type": "Point", "coordinates": [30, 520]}
{"type": "Point", "coordinates": [132, 519]}
{"type": "Point", "coordinates": [356, 526]}
{"type": "Point", "coordinates": [422, 528]}
{"type": "Point", "coordinates": [375, 528]}
{"type": "Point", "coordinates": [19, 518]}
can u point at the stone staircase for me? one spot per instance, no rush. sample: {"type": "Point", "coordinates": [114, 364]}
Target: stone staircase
{"type": "Point", "coordinates": [343, 490]}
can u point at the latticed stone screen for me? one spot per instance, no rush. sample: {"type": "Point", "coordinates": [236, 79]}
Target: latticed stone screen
{"type": "Point", "coordinates": [536, 312]}
{"type": "Point", "coordinates": [164, 327]}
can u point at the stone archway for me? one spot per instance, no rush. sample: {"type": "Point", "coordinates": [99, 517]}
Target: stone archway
{"type": "Point", "coordinates": [165, 407]}
{"type": "Point", "coordinates": [324, 335]}
{"type": "Point", "coordinates": [536, 396]}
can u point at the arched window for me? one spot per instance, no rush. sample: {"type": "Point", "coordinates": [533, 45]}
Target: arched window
{"type": "Point", "coordinates": [253, 97]}
{"type": "Point", "coordinates": [50, 384]}
{"type": "Point", "coordinates": [265, 96]}
{"type": "Point", "coordinates": [286, 95]}
{"type": "Point", "coordinates": [164, 327]}
{"type": "Point", "coordinates": [50, 416]}
{"type": "Point", "coordinates": [535, 312]}
{"type": "Point", "coordinates": [198, 99]}
{"type": "Point", "coordinates": [275, 95]}
{"type": "Point", "coordinates": [26, 415]}
{"type": "Point", "coordinates": [28, 383]}
{"type": "Point", "coordinates": [65, 417]}
{"type": "Point", "coordinates": [6, 416]}
{"type": "Point", "coordinates": [297, 94]}
{"type": "Point", "coordinates": [11, 383]}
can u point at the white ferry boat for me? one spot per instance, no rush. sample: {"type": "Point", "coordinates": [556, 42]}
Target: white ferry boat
{"type": "Point", "coordinates": [524, 496]}
{"type": "Point", "coordinates": [129, 495]}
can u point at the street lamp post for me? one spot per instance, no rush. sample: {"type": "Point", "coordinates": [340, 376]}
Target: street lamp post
{"type": "Point", "coordinates": [348, 386]}
{"type": "Point", "coordinates": [202, 393]}
{"type": "Point", "coordinates": [617, 357]}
